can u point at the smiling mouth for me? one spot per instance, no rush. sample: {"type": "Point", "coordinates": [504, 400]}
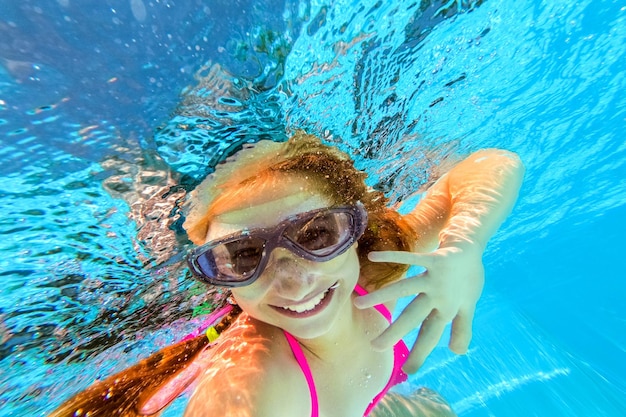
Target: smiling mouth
{"type": "Point", "coordinates": [313, 306]}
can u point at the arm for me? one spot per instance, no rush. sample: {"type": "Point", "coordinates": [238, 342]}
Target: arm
{"type": "Point", "coordinates": [467, 205]}
{"type": "Point", "coordinates": [457, 217]}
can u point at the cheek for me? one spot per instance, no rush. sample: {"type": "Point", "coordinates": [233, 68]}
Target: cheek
{"type": "Point", "coordinates": [248, 303]}
{"type": "Point", "coordinates": [346, 264]}
{"type": "Point", "coordinates": [246, 297]}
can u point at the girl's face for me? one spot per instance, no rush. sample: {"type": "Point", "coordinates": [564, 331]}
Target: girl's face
{"type": "Point", "coordinates": [300, 296]}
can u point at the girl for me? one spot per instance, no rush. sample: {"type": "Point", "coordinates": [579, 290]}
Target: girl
{"type": "Point", "coordinates": [314, 258]}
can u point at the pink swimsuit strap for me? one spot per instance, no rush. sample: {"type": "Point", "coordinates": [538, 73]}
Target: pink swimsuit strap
{"type": "Point", "coordinates": [306, 370]}
{"type": "Point", "coordinates": [400, 353]}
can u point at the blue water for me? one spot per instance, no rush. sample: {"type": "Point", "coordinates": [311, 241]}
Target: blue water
{"type": "Point", "coordinates": [104, 102]}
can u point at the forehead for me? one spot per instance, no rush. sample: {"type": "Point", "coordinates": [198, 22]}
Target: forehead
{"type": "Point", "coordinates": [265, 204]}
{"type": "Point", "coordinates": [264, 189]}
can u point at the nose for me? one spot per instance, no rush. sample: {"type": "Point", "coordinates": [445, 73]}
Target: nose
{"type": "Point", "coordinates": [292, 277]}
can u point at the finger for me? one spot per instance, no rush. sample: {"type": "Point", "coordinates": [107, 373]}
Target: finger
{"type": "Point", "coordinates": [413, 314]}
{"type": "Point", "coordinates": [461, 333]}
{"type": "Point", "coordinates": [392, 292]}
{"type": "Point", "coordinates": [401, 257]}
{"type": "Point", "coordinates": [429, 336]}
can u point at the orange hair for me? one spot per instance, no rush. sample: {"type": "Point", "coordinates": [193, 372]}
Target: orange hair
{"type": "Point", "coordinates": [124, 393]}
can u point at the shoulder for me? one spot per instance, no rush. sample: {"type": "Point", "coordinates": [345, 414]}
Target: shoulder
{"type": "Point", "coordinates": [249, 370]}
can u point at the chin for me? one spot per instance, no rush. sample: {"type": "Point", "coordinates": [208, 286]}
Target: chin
{"type": "Point", "coordinates": [320, 320]}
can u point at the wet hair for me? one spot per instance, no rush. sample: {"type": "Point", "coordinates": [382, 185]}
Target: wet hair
{"type": "Point", "coordinates": [333, 175]}
{"type": "Point", "coordinates": [125, 393]}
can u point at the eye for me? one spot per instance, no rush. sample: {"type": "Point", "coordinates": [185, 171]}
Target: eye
{"type": "Point", "coordinates": [318, 233]}
{"type": "Point", "coordinates": [244, 255]}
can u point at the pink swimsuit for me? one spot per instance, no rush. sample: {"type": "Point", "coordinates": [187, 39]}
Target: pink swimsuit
{"type": "Point", "coordinates": [400, 354]}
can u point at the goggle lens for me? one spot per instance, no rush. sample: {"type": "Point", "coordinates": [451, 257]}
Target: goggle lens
{"type": "Point", "coordinates": [322, 234]}
{"type": "Point", "coordinates": [232, 261]}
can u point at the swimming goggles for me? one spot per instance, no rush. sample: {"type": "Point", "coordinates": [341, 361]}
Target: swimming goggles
{"type": "Point", "coordinates": [239, 259]}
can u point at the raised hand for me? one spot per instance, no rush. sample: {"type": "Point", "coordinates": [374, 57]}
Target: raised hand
{"type": "Point", "coordinates": [446, 292]}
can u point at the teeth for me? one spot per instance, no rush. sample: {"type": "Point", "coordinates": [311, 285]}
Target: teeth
{"type": "Point", "coordinates": [300, 308]}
